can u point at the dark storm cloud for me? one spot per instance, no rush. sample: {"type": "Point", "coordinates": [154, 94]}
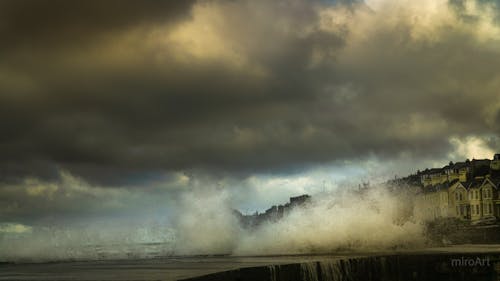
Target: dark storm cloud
{"type": "Point", "coordinates": [113, 89]}
{"type": "Point", "coordinates": [50, 23]}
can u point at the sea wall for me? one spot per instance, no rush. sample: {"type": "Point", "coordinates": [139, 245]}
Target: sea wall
{"type": "Point", "coordinates": [456, 267]}
{"type": "Point", "coordinates": [455, 231]}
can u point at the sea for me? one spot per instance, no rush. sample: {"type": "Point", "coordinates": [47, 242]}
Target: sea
{"type": "Point", "coordinates": [111, 266]}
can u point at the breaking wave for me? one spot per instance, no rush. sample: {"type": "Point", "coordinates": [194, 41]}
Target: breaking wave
{"type": "Point", "coordinates": [205, 223]}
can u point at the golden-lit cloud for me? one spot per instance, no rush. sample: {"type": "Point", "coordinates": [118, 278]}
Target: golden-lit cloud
{"type": "Point", "coordinates": [239, 88]}
{"type": "Point", "coordinates": [470, 147]}
{"type": "Point", "coordinates": [202, 37]}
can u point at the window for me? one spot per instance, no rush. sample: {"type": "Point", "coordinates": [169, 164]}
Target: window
{"type": "Point", "coordinates": [477, 194]}
{"type": "Point", "coordinates": [489, 209]}
{"type": "Point", "coordinates": [487, 193]}
{"type": "Point", "coordinates": [477, 209]}
{"type": "Point", "coordinates": [460, 196]}
{"type": "Point", "coordinates": [458, 212]}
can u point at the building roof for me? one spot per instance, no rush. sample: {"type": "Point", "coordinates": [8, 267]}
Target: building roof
{"type": "Point", "coordinates": [473, 183]}
{"type": "Point", "coordinates": [459, 165]}
{"type": "Point", "coordinates": [495, 181]}
{"type": "Point", "coordinates": [481, 161]}
{"type": "Point", "coordinates": [435, 188]}
{"type": "Point", "coordinates": [432, 171]}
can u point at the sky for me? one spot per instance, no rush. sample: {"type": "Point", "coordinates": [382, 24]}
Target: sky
{"type": "Point", "coordinates": [113, 109]}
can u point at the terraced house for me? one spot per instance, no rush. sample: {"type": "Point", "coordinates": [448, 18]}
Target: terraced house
{"type": "Point", "coordinates": [467, 190]}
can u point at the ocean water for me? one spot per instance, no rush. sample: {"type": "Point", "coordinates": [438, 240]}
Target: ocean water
{"type": "Point", "coordinates": [80, 244]}
{"type": "Point", "coordinates": [157, 267]}
{"type": "Point", "coordinates": [162, 268]}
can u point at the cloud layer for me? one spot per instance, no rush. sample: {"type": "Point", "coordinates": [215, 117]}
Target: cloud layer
{"type": "Point", "coordinates": [245, 85]}
{"type": "Point", "coordinates": [126, 95]}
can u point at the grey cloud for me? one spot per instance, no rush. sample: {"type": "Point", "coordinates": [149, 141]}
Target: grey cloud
{"type": "Point", "coordinates": [68, 198]}
{"type": "Point", "coordinates": [267, 88]}
{"type": "Point", "coordinates": [50, 23]}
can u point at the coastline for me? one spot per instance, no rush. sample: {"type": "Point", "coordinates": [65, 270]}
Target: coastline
{"type": "Point", "coordinates": [177, 268]}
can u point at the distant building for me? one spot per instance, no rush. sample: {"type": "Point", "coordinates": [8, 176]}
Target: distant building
{"type": "Point", "coordinates": [467, 190]}
{"type": "Point", "coordinates": [432, 202]}
{"type": "Point", "coordinates": [299, 200]}
{"type": "Point", "coordinates": [495, 166]}
{"type": "Point", "coordinates": [490, 200]}
{"type": "Point", "coordinates": [272, 214]}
